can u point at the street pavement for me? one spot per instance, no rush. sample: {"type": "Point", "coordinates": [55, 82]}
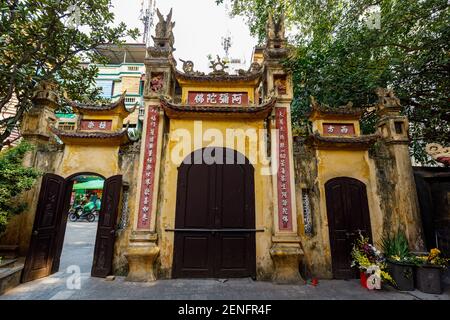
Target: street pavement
{"type": "Point", "coordinates": [55, 288]}
{"type": "Point", "coordinates": [78, 250]}
{"type": "Point", "coordinates": [79, 243]}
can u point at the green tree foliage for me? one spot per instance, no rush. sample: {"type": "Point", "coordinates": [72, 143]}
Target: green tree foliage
{"type": "Point", "coordinates": [341, 54]}
{"type": "Point", "coordinates": [14, 179]}
{"type": "Point", "coordinates": [49, 40]}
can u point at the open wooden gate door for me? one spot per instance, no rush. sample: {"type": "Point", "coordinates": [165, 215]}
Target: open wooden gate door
{"type": "Point", "coordinates": [44, 238]}
{"type": "Point", "coordinates": [348, 213]}
{"type": "Point", "coordinates": [106, 232]}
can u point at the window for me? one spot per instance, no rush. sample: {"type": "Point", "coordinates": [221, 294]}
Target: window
{"type": "Point", "coordinates": [141, 87]}
{"type": "Point", "coordinates": [130, 100]}
{"type": "Point", "coordinates": [105, 87]}
{"type": "Point", "coordinates": [307, 214]}
{"type": "Point", "coordinates": [398, 127]}
{"type": "Point", "coordinates": [133, 68]}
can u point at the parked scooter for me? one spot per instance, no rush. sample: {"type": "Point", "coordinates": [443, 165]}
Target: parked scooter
{"type": "Point", "coordinates": [79, 212]}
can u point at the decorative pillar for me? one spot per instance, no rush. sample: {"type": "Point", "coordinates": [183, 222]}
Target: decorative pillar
{"type": "Point", "coordinates": [143, 249]}
{"type": "Point", "coordinates": [286, 251]}
{"type": "Point", "coordinates": [35, 126]}
{"type": "Point", "coordinates": [393, 128]}
{"type": "Point", "coordinates": [35, 129]}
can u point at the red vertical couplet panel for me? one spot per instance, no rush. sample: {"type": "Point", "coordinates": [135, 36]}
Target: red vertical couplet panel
{"type": "Point", "coordinates": [284, 173]}
{"type": "Point", "coordinates": [148, 169]}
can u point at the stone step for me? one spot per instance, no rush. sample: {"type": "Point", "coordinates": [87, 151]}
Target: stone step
{"type": "Point", "coordinates": [10, 277]}
{"type": "Point", "coordinates": [9, 251]}
{"type": "Point", "coordinates": [7, 262]}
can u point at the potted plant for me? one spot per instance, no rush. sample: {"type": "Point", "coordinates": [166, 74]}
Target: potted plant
{"type": "Point", "coordinates": [400, 261]}
{"type": "Point", "coordinates": [429, 271]}
{"type": "Point", "coordinates": [370, 263]}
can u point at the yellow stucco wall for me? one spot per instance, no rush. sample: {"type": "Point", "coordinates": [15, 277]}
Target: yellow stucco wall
{"type": "Point", "coordinates": [332, 164]}
{"type": "Point", "coordinates": [167, 205]}
{"type": "Point", "coordinates": [103, 160]}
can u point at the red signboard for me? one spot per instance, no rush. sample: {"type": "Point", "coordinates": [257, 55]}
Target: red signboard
{"type": "Point", "coordinates": [148, 170]}
{"type": "Point", "coordinates": [339, 129]}
{"type": "Point", "coordinates": [218, 98]}
{"type": "Point", "coordinates": [283, 174]}
{"type": "Point", "coordinates": [96, 125]}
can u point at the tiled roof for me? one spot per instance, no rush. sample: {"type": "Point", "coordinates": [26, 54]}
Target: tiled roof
{"type": "Point", "coordinates": [251, 76]}
{"type": "Point", "coordinates": [120, 136]}
{"type": "Point", "coordinates": [103, 107]}
{"type": "Point", "coordinates": [363, 141]}
{"type": "Point", "coordinates": [346, 111]}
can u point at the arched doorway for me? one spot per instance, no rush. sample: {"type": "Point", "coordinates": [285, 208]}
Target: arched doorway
{"type": "Point", "coordinates": [82, 223]}
{"type": "Point", "coordinates": [215, 216]}
{"type": "Point", "coordinates": [50, 224]}
{"type": "Point", "coordinates": [348, 213]}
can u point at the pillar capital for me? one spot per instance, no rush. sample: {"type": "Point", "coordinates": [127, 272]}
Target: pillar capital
{"type": "Point", "coordinates": [392, 126]}
{"type": "Point", "coordinates": [388, 104]}
{"type": "Point", "coordinates": [46, 95]}
{"type": "Point", "coordinates": [36, 122]}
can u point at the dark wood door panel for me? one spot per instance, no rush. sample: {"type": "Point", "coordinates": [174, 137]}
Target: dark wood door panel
{"type": "Point", "coordinates": [236, 256]}
{"type": "Point", "coordinates": [102, 256]}
{"type": "Point", "coordinates": [198, 186]}
{"type": "Point", "coordinates": [106, 230]}
{"type": "Point", "coordinates": [44, 238]}
{"type": "Point", "coordinates": [215, 197]}
{"type": "Point", "coordinates": [42, 247]}
{"type": "Point", "coordinates": [233, 197]}
{"type": "Point", "coordinates": [194, 255]}
{"type": "Point", "coordinates": [348, 213]}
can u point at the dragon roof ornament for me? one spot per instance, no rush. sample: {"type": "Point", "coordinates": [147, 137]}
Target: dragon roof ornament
{"type": "Point", "coordinates": [164, 31]}
{"type": "Point", "coordinates": [439, 153]}
{"type": "Point", "coordinates": [387, 101]}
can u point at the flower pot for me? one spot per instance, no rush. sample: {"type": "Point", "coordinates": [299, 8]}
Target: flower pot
{"type": "Point", "coordinates": [363, 279]}
{"type": "Point", "coordinates": [428, 279]}
{"type": "Point", "coordinates": [402, 274]}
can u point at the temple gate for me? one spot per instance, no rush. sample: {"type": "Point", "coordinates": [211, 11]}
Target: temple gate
{"type": "Point", "coordinates": [217, 186]}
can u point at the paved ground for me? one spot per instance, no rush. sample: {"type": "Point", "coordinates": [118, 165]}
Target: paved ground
{"type": "Point", "coordinates": [54, 288]}
{"type": "Point", "coordinates": [79, 242]}
{"type": "Point", "coordinates": [78, 250]}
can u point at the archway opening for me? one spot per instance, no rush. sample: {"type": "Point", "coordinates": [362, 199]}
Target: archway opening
{"type": "Point", "coordinates": [86, 193]}
{"type": "Point", "coordinates": [94, 250]}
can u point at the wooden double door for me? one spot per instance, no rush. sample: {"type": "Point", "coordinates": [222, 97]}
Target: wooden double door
{"type": "Point", "coordinates": [49, 227]}
{"type": "Point", "coordinates": [348, 214]}
{"type": "Point", "coordinates": [215, 217]}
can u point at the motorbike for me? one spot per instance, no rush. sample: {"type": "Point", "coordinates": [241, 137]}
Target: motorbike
{"type": "Point", "coordinates": [79, 212]}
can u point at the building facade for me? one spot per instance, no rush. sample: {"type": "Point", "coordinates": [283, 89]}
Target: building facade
{"type": "Point", "coordinates": [217, 185]}
{"type": "Point", "coordinates": [125, 72]}
{"type": "Point", "coordinates": [10, 111]}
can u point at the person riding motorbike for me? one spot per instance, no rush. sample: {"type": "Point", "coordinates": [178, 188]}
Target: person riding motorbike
{"type": "Point", "coordinates": [83, 211]}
